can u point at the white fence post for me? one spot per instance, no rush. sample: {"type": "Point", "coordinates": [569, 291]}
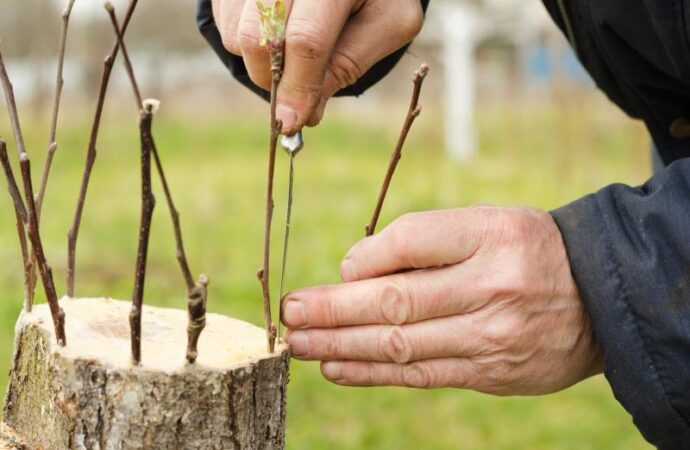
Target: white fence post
{"type": "Point", "coordinates": [458, 21]}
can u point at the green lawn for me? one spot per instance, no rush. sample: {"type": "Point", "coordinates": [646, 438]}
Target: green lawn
{"type": "Point", "coordinates": [540, 156]}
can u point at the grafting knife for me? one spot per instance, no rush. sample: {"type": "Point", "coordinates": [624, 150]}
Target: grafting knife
{"type": "Point", "coordinates": [292, 145]}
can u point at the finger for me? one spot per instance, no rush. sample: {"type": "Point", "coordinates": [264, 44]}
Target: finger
{"type": "Point", "coordinates": [392, 300]}
{"type": "Point", "coordinates": [228, 21]}
{"type": "Point", "coordinates": [215, 9]}
{"type": "Point", "coordinates": [418, 241]}
{"type": "Point", "coordinates": [354, 55]}
{"type": "Point", "coordinates": [388, 26]}
{"type": "Point", "coordinates": [438, 338]}
{"type": "Point", "coordinates": [429, 374]}
{"type": "Point", "coordinates": [311, 35]}
{"type": "Point", "coordinates": [256, 58]}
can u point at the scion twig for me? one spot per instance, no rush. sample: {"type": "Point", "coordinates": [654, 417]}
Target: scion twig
{"type": "Point", "coordinates": [412, 114]}
{"type": "Point", "coordinates": [148, 203]}
{"type": "Point", "coordinates": [21, 219]}
{"type": "Point", "coordinates": [59, 83]}
{"type": "Point", "coordinates": [264, 273]}
{"type": "Point", "coordinates": [273, 38]}
{"type": "Point", "coordinates": [27, 215]}
{"type": "Point", "coordinates": [196, 293]}
{"type": "Point", "coordinates": [91, 154]}
{"type": "Point", "coordinates": [29, 273]}
{"type": "Point", "coordinates": [46, 272]}
{"type": "Point", "coordinates": [52, 143]}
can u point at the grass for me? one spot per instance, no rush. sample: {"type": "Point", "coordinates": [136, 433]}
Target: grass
{"type": "Point", "coordinates": [544, 156]}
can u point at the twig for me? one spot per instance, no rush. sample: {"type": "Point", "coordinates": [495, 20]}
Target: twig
{"type": "Point", "coordinates": [91, 154]}
{"type": "Point", "coordinates": [125, 54]}
{"type": "Point", "coordinates": [148, 203]}
{"type": "Point", "coordinates": [52, 144]}
{"type": "Point", "coordinates": [29, 273]}
{"type": "Point", "coordinates": [46, 272]}
{"type": "Point", "coordinates": [28, 217]}
{"type": "Point", "coordinates": [264, 273]}
{"type": "Point", "coordinates": [196, 312]}
{"type": "Point", "coordinates": [412, 114]}
{"type": "Point", "coordinates": [21, 220]}
{"type": "Point", "coordinates": [197, 294]}
{"type": "Point", "coordinates": [59, 83]}
{"type": "Point", "coordinates": [273, 38]}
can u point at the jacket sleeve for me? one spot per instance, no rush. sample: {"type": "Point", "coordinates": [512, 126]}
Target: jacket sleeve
{"type": "Point", "coordinates": [235, 64]}
{"type": "Point", "coordinates": [629, 249]}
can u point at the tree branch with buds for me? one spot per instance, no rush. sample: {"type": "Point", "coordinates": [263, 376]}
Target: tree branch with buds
{"type": "Point", "coordinates": [413, 112]}
{"type": "Point", "coordinates": [73, 234]}
{"type": "Point", "coordinates": [197, 293]}
{"type": "Point", "coordinates": [27, 213]}
{"type": "Point", "coordinates": [272, 31]}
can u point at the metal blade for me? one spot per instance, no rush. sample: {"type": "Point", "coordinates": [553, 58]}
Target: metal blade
{"type": "Point", "coordinates": [292, 144]}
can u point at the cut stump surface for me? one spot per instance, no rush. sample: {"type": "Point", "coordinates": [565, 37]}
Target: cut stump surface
{"type": "Point", "coordinates": [89, 396]}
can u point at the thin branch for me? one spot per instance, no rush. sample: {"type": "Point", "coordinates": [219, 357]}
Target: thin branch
{"type": "Point", "coordinates": [148, 203]}
{"type": "Point", "coordinates": [21, 219]}
{"type": "Point", "coordinates": [197, 294]}
{"type": "Point", "coordinates": [174, 214]}
{"type": "Point", "coordinates": [46, 272]}
{"type": "Point", "coordinates": [12, 186]}
{"type": "Point", "coordinates": [196, 312]}
{"type": "Point", "coordinates": [125, 54]}
{"type": "Point", "coordinates": [29, 273]}
{"type": "Point", "coordinates": [28, 217]}
{"type": "Point", "coordinates": [181, 255]}
{"type": "Point", "coordinates": [414, 111]}
{"type": "Point", "coordinates": [91, 155]}
{"type": "Point", "coordinates": [276, 127]}
{"type": "Point", "coordinates": [59, 83]}
{"type": "Point", "coordinates": [52, 144]}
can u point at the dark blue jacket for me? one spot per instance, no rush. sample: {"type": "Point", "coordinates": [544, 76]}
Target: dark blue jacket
{"type": "Point", "coordinates": [627, 245]}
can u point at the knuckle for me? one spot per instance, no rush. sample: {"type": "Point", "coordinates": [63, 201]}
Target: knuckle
{"type": "Point", "coordinates": [230, 42]}
{"type": "Point", "coordinates": [417, 375]}
{"type": "Point", "coordinates": [399, 233]}
{"type": "Point", "coordinates": [248, 40]}
{"type": "Point", "coordinates": [395, 302]}
{"type": "Point", "coordinates": [410, 21]}
{"type": "Point", "coordinates": [395, 345]}
{"type": "Point", "coordinates": [330, 347]}
{"type": "Point", "coordinates": [505, 334]}
{"type": "Point", "coordinates": [499, 373]}
{"type": "Point", "coordinates": [345, 69]}
{"type": "Point", "coordinates": [516, 227]}
{"type": "Point", "coordinates": [304, 40]}
{"type": "Point", "coordinates": [329, 310]}
{"type": "Point", "coordinates": [515, 282]}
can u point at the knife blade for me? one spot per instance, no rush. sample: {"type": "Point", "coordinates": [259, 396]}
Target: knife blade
{"type": "Point", "coordinates": [292, 145]}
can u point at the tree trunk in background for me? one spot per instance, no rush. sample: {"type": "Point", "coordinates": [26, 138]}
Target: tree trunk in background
{"type": "Point", "coordinates": [88, 396]}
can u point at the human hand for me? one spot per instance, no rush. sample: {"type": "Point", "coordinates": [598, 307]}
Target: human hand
{"type": "Point", "coordinates": [329, 46]}
{"type": "Point", "coordinates": [479, 298]}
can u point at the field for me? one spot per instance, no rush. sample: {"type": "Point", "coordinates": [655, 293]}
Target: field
{"type": "Point", "coordinates": [542, 156]}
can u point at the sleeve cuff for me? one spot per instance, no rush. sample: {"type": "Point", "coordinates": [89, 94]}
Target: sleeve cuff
{"type": "Point", "coordinates": [628, 365]}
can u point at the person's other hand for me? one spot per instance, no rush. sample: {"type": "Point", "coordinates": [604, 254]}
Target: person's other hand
{"type": "Point", "coordinates": [329, 46]}
{"type": "Point", "coordinates": [479, 298]}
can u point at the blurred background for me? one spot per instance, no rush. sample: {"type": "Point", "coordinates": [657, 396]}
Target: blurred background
{"type": "Point", "coordinates": [509, 118]}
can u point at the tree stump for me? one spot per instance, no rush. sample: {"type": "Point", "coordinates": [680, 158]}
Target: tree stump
{"type": "Point", "coordinates": [88, 395]}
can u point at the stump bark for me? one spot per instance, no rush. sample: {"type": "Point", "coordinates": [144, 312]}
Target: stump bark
{"type": "Point", "coordinates": [89, 396]}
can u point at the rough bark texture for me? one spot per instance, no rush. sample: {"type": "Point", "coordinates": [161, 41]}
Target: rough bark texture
{"type": "Point", "coordinates": [88, 396]}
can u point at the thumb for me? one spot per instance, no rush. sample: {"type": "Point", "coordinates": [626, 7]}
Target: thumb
{"type": "Point", "coordinates": [417, 241]}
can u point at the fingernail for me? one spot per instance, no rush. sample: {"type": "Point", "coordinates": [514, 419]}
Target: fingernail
{"type": "Point", "coordinates": [299, 343]}
{"type": "Point", "coordinates": [286, 115]}
{"type": "Point", "coordinates": [294, 314]}
{"type": "Point", "coordinates": [347, 269]}
{"type": "Point", "coordinates": [333, 370]}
